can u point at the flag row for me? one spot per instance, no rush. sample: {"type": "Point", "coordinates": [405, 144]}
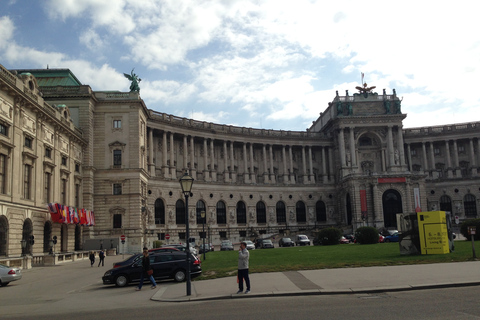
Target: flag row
{"type": "Point", "coordinates": [71, 215]}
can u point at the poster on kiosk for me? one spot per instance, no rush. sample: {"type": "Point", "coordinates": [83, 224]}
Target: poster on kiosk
{"type": "Point", "coordinates": [435, 232]}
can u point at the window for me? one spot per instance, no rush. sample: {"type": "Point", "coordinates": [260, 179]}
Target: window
{"type": "Point", "coordinates": [48, 153]}
{"type": "Point", "coordinates": [3, 172]}
{"type": "Point", "coordinates": [117, 124]}
{"type": "Point", "coordinates": [321, 211]}
{"type": "Point", "coordinates": [223, 235]}
{"type": "Point", "coordinates": [281, 212]}
{"type": "Point", "coordinates": [413, 152]}
{"type": "Point", "coordinates": [243, 234]}
{"type": "Point", "coordinates": [221, 213]}
{"type": "Point", "coordinates": [64, 161]}
{"type": "Point", "coordinates": [77, 167]}
{"type": "Point", "coordinates": [365, 141]}
{"type": "Point", "coordinates": [261, 213]}
{"type": "Point", "coordinates": [47, 187]}
{"type": "Point", "coordinates": [301, 212]}
{"type": "Point", "coordinates": [470, 206]}
{"type": "Point", "coordinates": [180, 212]}
{"type": "Point", "coordinates": [27, 176]}
{"type": "Point", "coordinates": [117, 157]}
{"type": "Point", "coordinates": [3, 130]}
{"type": "Point", "coordinates": [436, 151]}
{"type": "Point", "coordinates": [117, 188]}
{"type": "Point", "coordinates": [159, 212]}
{"type": "Point", "coordinates": [461, 149]}
{"type": "Point", "coordinates": [28, 142]}
{"type": "Point", "coordinates": [117, 221]}
{"type": "Point", "coordinates": [416, 167]}
{"type": "Point", "coordinates": [241, 213]}
{"type": "Point", "coordinates": [200, 208]}
{"type": "Point", "coordinates": [445, 203]}
{"type": "Point", "coordinates": [181, 236]}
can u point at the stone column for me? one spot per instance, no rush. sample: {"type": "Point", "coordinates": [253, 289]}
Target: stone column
{"type": "Point", "coordinates": [272, 171]}
{"type": "Point", "coordinates": [478, 150]}
{"type": "Point", "coordinates": [331, 174]}
{"type": "Point", "coordinates": [284, 160]}
{"type": "Point", "coordinates": [252, 165]}
{"type": "Point", "coordinates": [432, 161]}
{"type": "Point", "coordinates": [473, 163]}
{"type": "Point", "coordinates": [291, 176]}
{"type": "Point", "coordinates": [151, 165]}
{"type": "Point", "coordinates": [352, 147]}
{"type": "Point", "coordinates": [265, 169]}
{"type": "Point", "coordinates": [391, 152]}
{"type": "Point", "coordinates": [425, 160]}
{"type": "Point", "coordinates": [401, 148]}
{"type": "Point", "coordinates": [226, 171]}
{"type": "Point", "coordinates": [310, 163]}
{"type": "Point", "coordinates": [185, 153]}
{"type": "Point", "coordinates": [409, 152]}
{"type": "Point", "coordinates": [213, 172]}
{"type": "Point", "coordinates": [193, 170]}
{"type": "Point", "coordinates": [233, 174]}
{"type": "Point", "coordinates": [449, 159]}
{"type": "Point", "coordinates": [246, 176]}
{"type": "Point", "coordinates": [173, 169]}
{"type": "Point", "coordinates": [165, 170]}
{"type": "Point", "coordinates": [456, 163]}
{"type": "Point", "coordinates": [341, 145]}
{"type": "Point", "coordinates": [324, 166]}
{"type": "Point", "coordinates": [304, 165]}
{"type": "Point", "coordinates": [206, 173]}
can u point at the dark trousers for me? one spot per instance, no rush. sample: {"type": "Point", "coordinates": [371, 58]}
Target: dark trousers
{"type": "Point", "coordinates": [243, 274]}
{"type": "Point", "coordinates": [101, 262]}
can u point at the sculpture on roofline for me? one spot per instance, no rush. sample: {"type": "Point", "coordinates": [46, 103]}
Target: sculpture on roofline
{"type": "Point", "coordinates": [134, 87]}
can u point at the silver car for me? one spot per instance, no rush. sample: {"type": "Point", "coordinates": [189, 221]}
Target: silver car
{"type": "Point", "coordinates": [250, 245]}
{"type": "Point", "coordinates": [9, 274]}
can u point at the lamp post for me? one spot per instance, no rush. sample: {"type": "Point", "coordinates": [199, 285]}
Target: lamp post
{"type": "Point", "coordinates": [186, 183]}
{"type": "Point", "coordinates": [203, 233]}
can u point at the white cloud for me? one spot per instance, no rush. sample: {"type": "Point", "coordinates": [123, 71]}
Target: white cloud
{"type": "Point", "coordinates": [91, 40]}
{"type": "Point", "coordinates": [6, 31]}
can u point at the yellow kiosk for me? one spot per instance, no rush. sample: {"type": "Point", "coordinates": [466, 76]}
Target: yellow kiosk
{"type": "Point", "coordinates": [434, 227]}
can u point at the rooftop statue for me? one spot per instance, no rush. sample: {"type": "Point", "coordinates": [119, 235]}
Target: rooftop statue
{"type": "Point", "coordinates": [365, 89]}
{"type": "Point", "coordinates": [134, 87]}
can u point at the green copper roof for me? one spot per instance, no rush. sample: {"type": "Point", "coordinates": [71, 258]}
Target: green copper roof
{"type": "Point", "coordinates": [53, 77]}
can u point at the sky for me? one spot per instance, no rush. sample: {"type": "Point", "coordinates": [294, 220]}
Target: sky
{"type": "Point", "coordinates": [272, 64]}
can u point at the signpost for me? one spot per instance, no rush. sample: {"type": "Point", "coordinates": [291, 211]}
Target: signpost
{"type": "Point", "coordinates": [122, 237]}
{"type": "Point", "coordinates": [472, 231]}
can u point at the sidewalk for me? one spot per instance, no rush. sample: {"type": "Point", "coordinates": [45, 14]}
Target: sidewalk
{"type": "Point", "coordinates": [330, 281]}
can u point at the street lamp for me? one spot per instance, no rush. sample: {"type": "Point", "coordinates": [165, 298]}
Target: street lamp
{"type": "Point", "coordinates": [186, 183]}
{"type": "Point", "coordinates": [202, 214]}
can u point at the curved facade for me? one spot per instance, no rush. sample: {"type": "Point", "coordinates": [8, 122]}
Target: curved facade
{"type": "Point", "coordinates": [356, 165]}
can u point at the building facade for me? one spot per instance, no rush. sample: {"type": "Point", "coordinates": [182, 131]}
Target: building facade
{"type": "Point", "coordinates": [356, 165]}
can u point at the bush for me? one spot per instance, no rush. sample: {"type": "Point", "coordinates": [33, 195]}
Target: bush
{"type": "Point", "coordinates": [470, 223]}
{"type": "Point", "coordinates": [157, 244]}
{"type": "Point", "coordinates": [329, 236]}
{"type": "Point", "coordinates": [366, 235]}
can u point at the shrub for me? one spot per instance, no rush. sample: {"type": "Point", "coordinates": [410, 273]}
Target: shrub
{"type": "Point", "coordinates": [470, 223]}
{"type": "Point", "coordinates": [366, 235]}
{"type": "Point", "coordinates": [157, 244]}
{"type": "Point", "coordinates": [329, 236]}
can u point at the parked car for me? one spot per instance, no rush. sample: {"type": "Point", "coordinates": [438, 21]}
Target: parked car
{"type": "Point", "coordinates": [181, 247]}
{"type": "Point", "coordinates": [267, 244]}
{"type": "Point", "coordinates": [9, 274]}
{"type": "Point", "coordinates": [250, 245]}
{"type": "Point", "coordinates": [258, 243]}
{"type": "Point", "coordinates": [128, 261]}
{"type": "Point", "coordinates": [208, 247]}
{"type": "Point", "coordinates": [350, 237]}
{"type": "Point", "coordinates": [344, 240]}
{"type": "Point", "coordinates": [165, 265]}
{"type": "Point", "coordinates": [302, 240]}
{"type": "Point", "coordinates": [286, 242]}
{"type": "Point", "coordinates": [226, 245]}
{"type": "Point", "coordinates": [392, 238]}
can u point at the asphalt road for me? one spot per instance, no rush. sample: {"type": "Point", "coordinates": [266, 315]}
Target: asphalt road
{"type": "Point", "coordinates": [75, 291]}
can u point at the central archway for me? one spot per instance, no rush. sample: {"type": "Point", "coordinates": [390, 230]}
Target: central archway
{"type": "Point", "coordinates": [392, 204]}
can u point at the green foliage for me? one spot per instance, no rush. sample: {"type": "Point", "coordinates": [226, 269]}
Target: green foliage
{"type": "Point", "coordinates": [470, 223]}
{"type": "Point", "coordinates": [329, 236]}
{"type": "Point", "coordinates": [366, 235]}
{"type": "Point", "coordinates": [157, 244]}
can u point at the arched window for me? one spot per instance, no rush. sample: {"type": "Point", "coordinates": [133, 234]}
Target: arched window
{"type": "Point", "coordinates": [301, 212]}
{"type": "Point", "coordinates": [281, 212]}
{"type": "Point", "coordinates": [159, 212]}
{"type": "Point", "coordinates": [3, 235]}
{"type": "Point", "coordinates": [200, 208]}
{"type": "Point", "coordinates": [261, 212]}
{"type": "Point", "coordinates": [221, 213]}
{"type": "Point", "coordinates": [180, 212]}
{"type": "Point", "coordinates": [470, 206]}
{"type": "Point", "coordinates": [26, 233]}
{"type": "Point", "coordinates": [321, 211]}
{"type": "Point", "coordinates": [445, 203]}
{"type": "Point", "coordinates": [241, 212]}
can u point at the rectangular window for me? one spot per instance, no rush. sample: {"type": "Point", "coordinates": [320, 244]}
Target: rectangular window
{"type": "Point", "coordinates": [48, 153]}
{"type": "Point", "coordinates": [3, 172]}
{"type": "Point", "coordinates": [47, 186]}
{"type": "Point", "coordinates": [117, 157]}
{"type": "Point", "coordinates": [181, 236]}
{"type": "Point", "coordinates": [461, 149]}
{"type": "Point", "coordinates": [77, 167]}
{"type": "Point", "coordinates": [223, 235]}
{"type": "Point", "coordinates": [117, 124]}
{"type": "Point", "coordinates": [436, 151]}
{"type": "Point", "coordinates": [27, 175]}
{"type": "Point", "coordinates": [28, 142]}
{"type": "Point", "coordinates": [413, 152]}
{"type": "Point", "coordinates": [64, 161]}
{"type": "Point", "coordinates": [3, 130]}
{"type": "Point", "coordinates": [117, 188]}
{"type": "Point", "coordinates": [117, 221]}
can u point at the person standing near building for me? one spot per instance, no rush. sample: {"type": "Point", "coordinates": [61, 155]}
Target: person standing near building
{"type": "Point", "coordinates": [146, 270]}
{"type": "Point", "coordinates": [243, 257]}
{"type": "Point", "coordinates": [101, 255]}
{"type": "Point", "coordinates": [92, 258]}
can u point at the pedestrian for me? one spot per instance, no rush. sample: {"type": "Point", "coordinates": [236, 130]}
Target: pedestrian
{"type": "Point", "coordinates": [101, 255]}
{"type": "Point", "coordinates": [243, 257]}
{"type": "Point", "coordinates": [146, 271]}
{"type": "Point", "coordinates": [92, 258]}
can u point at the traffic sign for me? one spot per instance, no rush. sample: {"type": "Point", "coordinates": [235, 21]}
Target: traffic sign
{"type": "Point", "coordinates": [167, 236]}
{"type": "Point", "coordinates": [122, 237]}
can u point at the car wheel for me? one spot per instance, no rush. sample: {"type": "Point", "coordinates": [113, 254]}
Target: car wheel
{"type": "Point", "coordinates": [3, 284]}
{"type": "Point", "coordinates": [121, 281]}
{"type": "Point", "coordinates": [179, 275]}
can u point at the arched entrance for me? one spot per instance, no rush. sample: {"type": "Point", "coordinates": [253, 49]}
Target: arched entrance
{"type": "Point", "coordinates": [26, 233]}
{"type": "Point", "coordinates": [47, 236]}
{"type": "Point", "coordinates": [392, 204]}
{"type": "Point", "coordinates": [3, 235]}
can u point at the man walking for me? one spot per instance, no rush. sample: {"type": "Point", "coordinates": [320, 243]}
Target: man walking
{"type": "Point", "coordinates": [243, 257]}
{"type": "Point", "coordinates": [101, 255]}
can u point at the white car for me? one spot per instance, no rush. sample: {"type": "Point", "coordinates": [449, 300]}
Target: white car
{"type": "Point", "coordinates": [9, 274]}
{"type": "Point", "coordinates": [250, 245]}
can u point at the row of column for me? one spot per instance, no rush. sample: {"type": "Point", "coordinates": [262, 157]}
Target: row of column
{"type": "Point", "coordinates": [450, 168]}
{"type": "Point", "coordinates": [169, 166]}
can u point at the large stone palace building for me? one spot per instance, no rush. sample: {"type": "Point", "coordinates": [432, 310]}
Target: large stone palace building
{"type": "Point", "coordinates": [61, 142]}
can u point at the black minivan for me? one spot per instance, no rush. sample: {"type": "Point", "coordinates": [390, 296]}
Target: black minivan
{"type": "Point", "coordinates": [165, 265]}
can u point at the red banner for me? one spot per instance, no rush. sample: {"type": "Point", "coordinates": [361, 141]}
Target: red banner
{"type": "Point", "coordinates": [392, 180]}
